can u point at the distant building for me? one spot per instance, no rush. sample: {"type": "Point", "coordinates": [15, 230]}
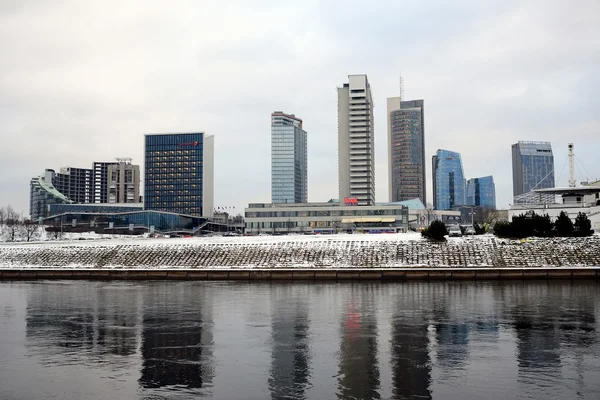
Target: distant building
{"type": "Point", "coordinates": [75, 183]}
{"type": "Point", "coordinates": [533, 166]}
{"type": "Point", "coordinates": [179, 173]}
{"type": "Point", "coordinates": [481, 192]}
{"type": "Point", "coordinates": [324, 218]}
{"type": "Point", "coordinates": [123, 183]}
{"type": "Point", "coordinates": [448, 180]}
{"type": "Point", "coordinates": [289, 168]}
{"type": "Point", "coordinates": [356, 144]}
{"type": "Point", "coordinates": [84, 186]}
{"type": "Point", "coordinates": [42, 194]}
{"type": "Point", "coordinates": [406, 149]}
{"type": "Point", "coordinates": [100, 182]}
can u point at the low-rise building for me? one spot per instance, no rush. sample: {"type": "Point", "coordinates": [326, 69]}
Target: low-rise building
{"type": "Point", "coordinates": [571, 200]}
{"type": "Point", "coordinates": [324, 218]}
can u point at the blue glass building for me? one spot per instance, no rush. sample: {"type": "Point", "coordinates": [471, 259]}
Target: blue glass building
{"type": "Point", "coordinates": [289, 167]}
{"type": "Point", "coordinates": [178, 173]}
{"type": "Point", "coordinates": [448, 180]}
{"type": "Point", "coordinates": [481, 192]}
{"type": "Point", "coordinates": [533, 166]}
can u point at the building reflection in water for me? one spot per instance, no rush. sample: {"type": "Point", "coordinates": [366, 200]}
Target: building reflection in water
{"type": "Point", "coordinates": [410, 358]}
{"type": "Point", "coordinates": [290, 359]}
{"type": "Point", "coordinates": [359, 369]}
{"type": "Point", "coordinates": [176, 339]}
{"type": "Point", "coordinates": [85, 318]}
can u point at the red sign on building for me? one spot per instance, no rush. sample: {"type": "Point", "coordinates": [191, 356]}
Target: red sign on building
{"type": "Point", "coordinates": [351, 201]}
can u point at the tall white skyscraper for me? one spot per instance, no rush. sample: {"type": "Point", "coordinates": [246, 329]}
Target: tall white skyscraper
{"type": "Point", "coordinates": [289, 168]}
{"type": "Point", "coordinates": [356, 144]}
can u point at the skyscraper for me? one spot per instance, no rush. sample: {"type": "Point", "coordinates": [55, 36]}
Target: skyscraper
{"type": "Point", "coordinates": [356, 159]}
{"type": "Point", "coordinates": [179, 173]}
{"type": "Point", "coordinates": [481, 192]}
{"type": "Point", "coordinates": [406, 149]}
{"type": "Point", "coordinates": [288, 159]}
{"type": "Point", "coordinates": [448, 180]}
{"type": "Point", "coordinates": [533, 166]}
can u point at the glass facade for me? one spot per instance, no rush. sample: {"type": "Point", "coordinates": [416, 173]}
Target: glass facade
{"type": "Point", "coordinates": [289, 167]}
{"type": "Point", "coordinates": [162, 221]}
{"type": "Point", "coordinates": [174, 172]}
{"type": "Point", "coordinates": [407, 152]}
{"type": "Point", "coordinates": [92, 208]}
{"type": "Point", "coordinates": [449, 180]}
{"type": "Point", "coordinates": [481, 192]}
{"type": "Point", "coordinates": [533, 166]}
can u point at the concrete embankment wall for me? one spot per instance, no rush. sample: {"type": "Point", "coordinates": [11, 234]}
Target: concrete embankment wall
{"type": "Point", "coordinates": [332, 252]}
{"type": "Point", "coordinates": [353, 274]}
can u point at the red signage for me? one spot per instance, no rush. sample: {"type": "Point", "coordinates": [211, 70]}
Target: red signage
{"type": "Point", "coordinates": [188, 144]}
{"type": "Point", "coordinates": [351, 201]}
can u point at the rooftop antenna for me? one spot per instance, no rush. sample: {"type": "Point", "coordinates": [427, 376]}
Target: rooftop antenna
{"type": "Point", "coordinates": [571, 166]}
{"type": "Point", "coordinates": [401, 88]}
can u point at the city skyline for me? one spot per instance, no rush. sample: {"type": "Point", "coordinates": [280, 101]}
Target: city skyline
{"type": "Point", "coordinates": [488, 79]}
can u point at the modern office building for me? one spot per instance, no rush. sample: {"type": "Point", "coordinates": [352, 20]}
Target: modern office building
{"type": "Point", "coordinates": [448, 180]}
{"type": "Point", "coordinates": [123, 182]}
{"type": "Point", "coordinates": [179, 173]}
{"type": "Point", "coordinates": [289, 168]}
{"type": "Point", "coordinates": [481, 192]}
{"type": "Point", "coordinates": [406, 149]}
{"type": "Point", "coordinates": [356, 159]}
{"type": "Point", "coordinates": [533, 166]}
{"type": "Point", "coordinates": [42, 194]}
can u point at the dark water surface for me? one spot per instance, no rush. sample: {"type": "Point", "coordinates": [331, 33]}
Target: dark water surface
{"type": "Point", "coordinates": [446, 340]}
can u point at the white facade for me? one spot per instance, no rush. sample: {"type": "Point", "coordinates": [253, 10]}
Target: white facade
{"type": "Point", "coordinates": [356, 141]}
{"type": "Point", "coordinates": [208, 176]}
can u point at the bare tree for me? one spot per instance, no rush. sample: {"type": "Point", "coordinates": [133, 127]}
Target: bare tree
{"type": "Point", "coordinates": [429, 213]}
{"type": "Point", "coordinates": [489, 215]}
{"type": "Point", "coordinates": [2, 215]}
{"type": "Point", "coordinates": [12, 223]}
{"type": "Point", "coordinates": [30, 229]}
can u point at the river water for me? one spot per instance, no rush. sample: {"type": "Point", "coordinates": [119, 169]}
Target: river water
{"type": "Point", "coordinates": [240, 340]}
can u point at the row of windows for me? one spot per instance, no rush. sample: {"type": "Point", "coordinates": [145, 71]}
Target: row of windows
{"type": "Point", "coordinates": [327, 213]}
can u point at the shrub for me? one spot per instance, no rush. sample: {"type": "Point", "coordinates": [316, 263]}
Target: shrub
{"type": "Point", "coordinates": [525, 225]}
{"type": "Point", "coordinates": [583, 225]}
{"type": "Point", "coordinates": [563, 225]}
{"type": "Point", "coordinates": [436, 231]}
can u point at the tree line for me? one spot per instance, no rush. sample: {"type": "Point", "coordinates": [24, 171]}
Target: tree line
{"type": "Point", "coordinates": [532, 224]}
{"type": "Point", "coordinates": [15, 228]}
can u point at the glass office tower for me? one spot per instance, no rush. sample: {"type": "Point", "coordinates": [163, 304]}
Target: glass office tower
{"type": "Point", "coordinates": [533, 166]}
{"type": "Point", "coordinates": [406, 149]}
{"type": "Point", "coordinates": [481, 192]}
{"type": "Point", "coordinates": [289, 168]}
{"type": "Point", "coordinates": [448, 180]}
{"type": "Point", "coordinates": [178, 173]}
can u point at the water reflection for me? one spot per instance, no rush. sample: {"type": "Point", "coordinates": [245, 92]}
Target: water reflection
{"type": "Point", "coordinates": [410, 355]}
{"type": "Point", "coordinates": [176, 342]}
{"type": "Point", "coordinates": [359, 368]}
{"type": "Point", "coordinates": [415, 340]}
{"type": "Point", "coordinates": [290, 358]}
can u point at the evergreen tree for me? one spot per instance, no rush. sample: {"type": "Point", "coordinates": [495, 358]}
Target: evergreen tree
{"type": "Point", "coordinates": [436, 230]}
{"type": "Point", "coordinates": [564, 225]}
{"type": "Point", "coordinates": [583, 225]}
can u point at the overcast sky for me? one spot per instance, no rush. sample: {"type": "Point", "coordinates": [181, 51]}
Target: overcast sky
{"type": "Point", "coordinates": [82, 81]}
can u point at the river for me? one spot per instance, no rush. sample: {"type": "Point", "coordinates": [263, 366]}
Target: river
{"type": "Point", "coordinates": [243, 340]}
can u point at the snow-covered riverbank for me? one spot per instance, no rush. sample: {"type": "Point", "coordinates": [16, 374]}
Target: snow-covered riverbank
{"type": "Point", "coordinates": [336, 251]}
